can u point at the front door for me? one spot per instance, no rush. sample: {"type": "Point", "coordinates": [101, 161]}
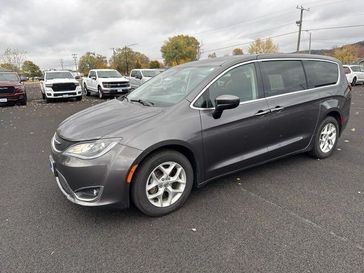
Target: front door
{"type": "Point", "coordinates": [237, 139]}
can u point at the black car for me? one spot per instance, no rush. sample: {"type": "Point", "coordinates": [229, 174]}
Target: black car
{"type": "Point", "coordinates": [196, 122]}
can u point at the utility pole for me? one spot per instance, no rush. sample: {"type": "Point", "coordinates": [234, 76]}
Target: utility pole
{"type": "Point", "coordinates": [74, 55]}
{"type": "Point", "coordinates": [299, 24]}
{"type": "Point", "coordinates": [61, 62]}
{"type": "Point", "coordinates": [113, 55]}
{"type": "Point", "coordinates": [309, 44]}
{"type": "Point", "coordinates": [199, 50]}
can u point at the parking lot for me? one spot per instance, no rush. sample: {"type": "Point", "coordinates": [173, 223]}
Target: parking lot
{"type": "Point", "coordinates": [293, 215]}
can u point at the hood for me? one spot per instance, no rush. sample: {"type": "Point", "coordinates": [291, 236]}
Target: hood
{"type": "Point", "coordinates": [107, 119]}
{"type": "Point", "coordinates": [8, 83]}
{"type": "Point", "coordinates": [114, 79]}
{"type": "Point", "coordinates": [61, 81]}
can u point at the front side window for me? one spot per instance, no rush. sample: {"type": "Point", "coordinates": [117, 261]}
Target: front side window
{"type": "Point", "coordinates": [150, 73]}
{"type": "Point", "coordinates": [347, 70]}
{"type": "Point", "coordinates": [171, 86]}
{"type": "Point", "coordinates": [281, 77]}
{"type": "Point", "coordinates": [240, 81]}
{"type": "Point", "coordinates": [133, 74]}
{"type": "Point", "coordinates": [321, 73]}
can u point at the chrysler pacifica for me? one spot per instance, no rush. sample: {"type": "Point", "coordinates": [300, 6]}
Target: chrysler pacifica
{"type": "Point", "coordinates": [196, 122]}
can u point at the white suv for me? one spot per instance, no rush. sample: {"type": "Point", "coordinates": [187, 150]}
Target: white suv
{"type": "Point", "coordinates": [354, 74]}
{"type": "Point", "coordinates": [60, 84]}
{"type": "Point", "coordinates": [140, 76]}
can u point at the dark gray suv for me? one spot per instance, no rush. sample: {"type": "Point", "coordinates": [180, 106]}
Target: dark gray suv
{"type": "Point", "coordinates": [196, 122]}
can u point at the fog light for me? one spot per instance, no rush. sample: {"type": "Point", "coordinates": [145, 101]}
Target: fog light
{"type": "Point", "coordinates": [89, 194]}
{"type": "Point", "coordinates": [49, 94]}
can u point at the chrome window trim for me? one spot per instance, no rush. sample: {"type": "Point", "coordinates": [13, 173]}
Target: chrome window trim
{"type": "Point", "coordinates": [265, 60]}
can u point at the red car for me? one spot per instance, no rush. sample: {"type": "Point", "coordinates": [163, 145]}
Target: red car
{"type": "Point", "coordinates": [12, 89]}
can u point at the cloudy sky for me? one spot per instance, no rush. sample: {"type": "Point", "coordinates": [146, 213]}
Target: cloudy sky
{"type": "Point", "coordinates": [50, 30]}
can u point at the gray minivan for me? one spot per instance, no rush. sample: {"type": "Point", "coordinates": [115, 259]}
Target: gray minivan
{"type": "Point", "coordinates": [196, 122]}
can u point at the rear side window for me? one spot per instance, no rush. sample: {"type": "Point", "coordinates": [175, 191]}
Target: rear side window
{"type": "Point", "coordinates": [321, 73]}
{"type": "Point", "coordinates": [281, 77]}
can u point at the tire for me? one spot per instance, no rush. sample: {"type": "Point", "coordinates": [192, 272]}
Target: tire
{"type": "Point", "coordinates": [48, 100]}
{"type": "Point", "coordinates": [101, 95]}
{"type": "Point", "coordinates": [43, 96]}
{"type": "Point", "coordinates": [85, 88]}
{"type": "Point", "coordinates": [79, 98]}
{"type": "Point", "coordinates": [24, 101]}
{"type": "Point", "coordinates": [353, 83]}
{"type": "Point", "coordinates": [318, 150]}
{"type": "Point", "coordinates": [169, 195]}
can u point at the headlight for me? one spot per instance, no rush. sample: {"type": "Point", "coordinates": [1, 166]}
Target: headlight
{"type": "Point", "coordinates": [90, 150]}
{"type": "Point", "coordinates": [49, 85]}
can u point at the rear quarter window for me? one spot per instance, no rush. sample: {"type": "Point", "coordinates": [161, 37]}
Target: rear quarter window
{"type": "Point", "coordinates": [321, 73]}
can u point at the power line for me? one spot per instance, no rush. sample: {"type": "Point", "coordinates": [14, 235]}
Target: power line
{"type": "Point", "coordinates": [336, 27]}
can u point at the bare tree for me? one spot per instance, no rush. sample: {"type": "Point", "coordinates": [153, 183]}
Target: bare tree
{"type": "Point", "coordinates": [14, 57]}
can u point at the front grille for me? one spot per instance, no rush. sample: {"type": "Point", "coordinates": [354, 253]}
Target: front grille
{"type": "Point", "coordinates": [63, 86]}
{"type": "Point", "coordinates": [61, 144]}
{"type": "Point", "coordinates": [7, 89]}
{"type": "Point", "coordinates": [61, 94]}
{"type": "Point", "coordinates": [115, 84]}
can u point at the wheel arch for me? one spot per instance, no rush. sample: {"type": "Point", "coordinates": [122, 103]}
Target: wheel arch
{"type": "Point", "coordinates": [181, 147]}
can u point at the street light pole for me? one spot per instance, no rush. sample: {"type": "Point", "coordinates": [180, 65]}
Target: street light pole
{"type": "Point", "coordinates": [126, 57]}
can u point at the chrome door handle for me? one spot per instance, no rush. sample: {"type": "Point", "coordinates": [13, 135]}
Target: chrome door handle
{"type": "Point", "coordinates": [277, 109]}
{"type": "Point", "coordinates": [262, 112]}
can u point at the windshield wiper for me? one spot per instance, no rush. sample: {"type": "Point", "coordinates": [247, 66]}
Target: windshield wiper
{"type": "Point", "coordinates": [143, 102]}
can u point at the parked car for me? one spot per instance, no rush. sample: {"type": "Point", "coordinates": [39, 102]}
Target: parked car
{"type": "Point", "coordinates": [354, 74]}
{"type": "Point", "coordinates": [196, 122]}
{"type": "Point", "coordinates": [12, 89]}
{"type": "Point", "coordinates": [60, 84]}
{"type": "Point", "coordinates": [106, 82]}
{"type": "Point", "coordinates": [140, 76]}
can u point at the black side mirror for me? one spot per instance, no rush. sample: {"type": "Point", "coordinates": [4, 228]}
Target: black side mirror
{"type": "Point", "coordinates": [77, 77]}
{"type": "Point", "coordinates": [93, 77]}
{"type": "Point", "coordinates": [41, 79]}
{"type": "Point", "coordinates": [23, 79]}
{"type": "Point", "coordinates": [224, 102]}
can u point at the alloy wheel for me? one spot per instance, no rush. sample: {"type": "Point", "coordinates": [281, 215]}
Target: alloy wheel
{"type": "Point", "coordinates": [166, 184]}
{"type": "Point", "coordinates": [328, 137]}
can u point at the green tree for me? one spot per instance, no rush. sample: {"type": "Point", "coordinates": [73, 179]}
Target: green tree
{"type": "Point", "coordinates": [154, 64]}
{"type": "Point", "coordinates": [263, 46]}
{"type": "Point", "coordinates": [346, 54]}
{"type": "Point", "coordinates": [180, 49]}
{"type": "Point", "coordinates": [125, 59]}
{"type": "Point", "coordinates": [91, 61]}
{"type": "Point", "coordinates": [238, 51]}
{"type": "Point", "coordinates": [212, 55]}
{"type": "Point", "coordinates": [30, 69]}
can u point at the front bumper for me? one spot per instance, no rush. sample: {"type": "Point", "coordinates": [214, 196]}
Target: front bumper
{"type": "Point", "coordinates": [108, 173]}
{"type": "Point", "coordinates": [12, 97]}
{"type": "Point", "coordinates": [63, 94]}
{"type": "Point", "coordinates": [116, 91]}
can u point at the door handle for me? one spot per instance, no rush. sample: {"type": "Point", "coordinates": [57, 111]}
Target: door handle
{"type": "Point", "coordinates": [262, 112]}
{"type": "Point", "coordinates": [277, 109]}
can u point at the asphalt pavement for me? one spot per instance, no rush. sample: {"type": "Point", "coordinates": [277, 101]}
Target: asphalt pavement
{"type": "Point", "coordinates": [293, 215]}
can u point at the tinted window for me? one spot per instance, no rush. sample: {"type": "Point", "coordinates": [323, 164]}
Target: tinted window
{"type": "Point", "coordinates": [282, 77]}
{"type": "Point", "coordinates": [320, 73]}
{"type": "Point", "coordinates": [240, 81]}
{"type": "Point", "coordinates": [92, 74]}
{"type": "Point", "coordinates": [133, 73]}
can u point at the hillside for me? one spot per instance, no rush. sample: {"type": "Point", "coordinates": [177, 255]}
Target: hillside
{"type": "Point", "coordinates": [359, 45]}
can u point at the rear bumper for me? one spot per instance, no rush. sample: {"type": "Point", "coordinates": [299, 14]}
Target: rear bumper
{"type": "Point", "coordinates": [107, 173]}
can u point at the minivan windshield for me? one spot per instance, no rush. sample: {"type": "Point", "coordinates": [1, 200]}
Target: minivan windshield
{"type": "Point", "coordinates": [58, 75]}
{"type": "Point", "coordinates": [150, 73]}
{"type": "Point", "coordinates": [9, 76]}
{"type": "Point", "coordinates": [108, 74]}
{"type": "Point", "coordinates": [171, 86]}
